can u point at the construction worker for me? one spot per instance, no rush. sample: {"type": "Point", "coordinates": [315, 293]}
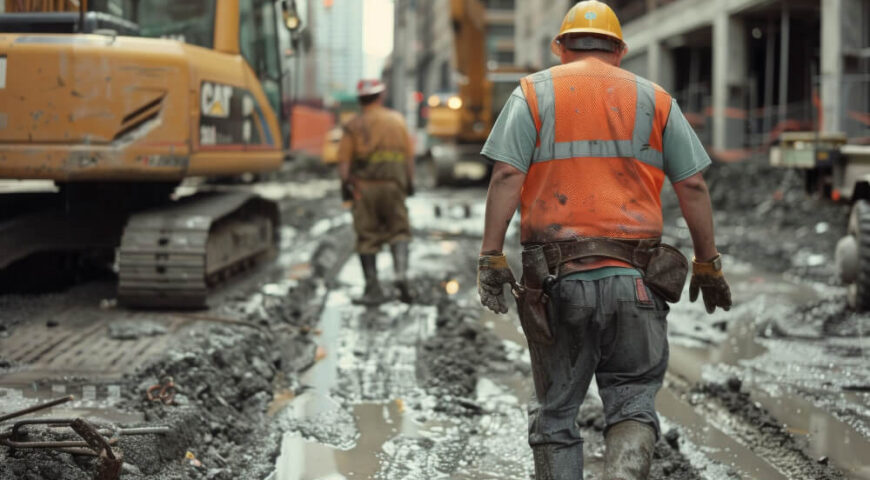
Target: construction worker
{"type": "Point", "coordinates": [583, 149]}
{"type": "Point", "coordinates": [376, 165]}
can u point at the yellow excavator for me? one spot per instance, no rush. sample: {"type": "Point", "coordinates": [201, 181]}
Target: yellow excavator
{"type": "Point", "coordinates": [116, 103]}
{"type": "Point", "coordinates": [459, 122]}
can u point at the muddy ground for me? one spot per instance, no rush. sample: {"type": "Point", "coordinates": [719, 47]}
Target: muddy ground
{"type": "Point", "coordinates": [283, 378]}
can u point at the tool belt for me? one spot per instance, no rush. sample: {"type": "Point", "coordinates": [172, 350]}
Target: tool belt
{"type": "Point", "coordinates": [663, 267]}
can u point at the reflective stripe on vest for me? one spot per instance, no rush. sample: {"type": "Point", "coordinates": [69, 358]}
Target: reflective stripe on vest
{"type": "Point", "coordinates": [545, 119]}
{"type": "Point", "coordinates": [598, 167]}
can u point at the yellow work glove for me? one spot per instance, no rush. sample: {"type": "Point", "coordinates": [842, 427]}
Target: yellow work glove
{"type": "Point", "coordinates": [709, 279]}
{"type": "Point", "coordinates": [493, 273]}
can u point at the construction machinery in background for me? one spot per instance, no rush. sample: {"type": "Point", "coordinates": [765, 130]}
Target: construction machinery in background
{"type": "Point", "coordinates": [113, 104]}
{"type": "Point", "coordinates": [838, 170]}
{"type": "Point", "coordinates": [459, 122]}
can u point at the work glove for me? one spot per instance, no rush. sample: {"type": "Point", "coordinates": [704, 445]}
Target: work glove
{"type": "Point", "coordinates": [347, 191]}
{"type": "Point", "coordinates": [493, 273]}
{"type": "Point", "coordinates": [708, 278]}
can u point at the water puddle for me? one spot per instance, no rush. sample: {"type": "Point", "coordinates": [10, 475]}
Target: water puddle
{"type": "Point", "coordinates": [714, 443]}
{"type": "Point", "coordinates": [827, 436]}
{"type": "Point", "coordinates": [728, 344]}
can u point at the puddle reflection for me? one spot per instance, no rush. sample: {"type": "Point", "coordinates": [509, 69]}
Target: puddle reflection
{"type": "Point", "coordinates": [308, 460]}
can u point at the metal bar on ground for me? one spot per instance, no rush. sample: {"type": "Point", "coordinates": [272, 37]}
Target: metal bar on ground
{"type": "Point", "coordinates": [36, 408]}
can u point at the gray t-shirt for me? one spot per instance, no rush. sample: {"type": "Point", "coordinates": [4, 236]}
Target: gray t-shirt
{"type": "Point", "coordinates": [513, 139]}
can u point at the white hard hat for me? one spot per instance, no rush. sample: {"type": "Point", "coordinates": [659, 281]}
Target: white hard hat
{"type": "Point", "coordinates": [369, 87]}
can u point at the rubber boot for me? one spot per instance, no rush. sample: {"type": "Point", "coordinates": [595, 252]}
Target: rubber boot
{"type": "Point", "coordinates": [373, 295]}
{"type": "Point", "coordinates": [400, 265]}
{"type": "Point", "coordinates": [553, 463]}
{"type": "Point", "coordinates": [628, 451]}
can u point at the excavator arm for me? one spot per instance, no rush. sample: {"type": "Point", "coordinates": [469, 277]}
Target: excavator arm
{"type": "Point", "coordinates": [469, 27]}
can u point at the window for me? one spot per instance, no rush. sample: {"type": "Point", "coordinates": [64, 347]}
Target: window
{"type": "Point", "coordinates": [258, 42]}
{"type": "Point", "coordinates": [190, 21]}
{"type": "Point", "coordinates": [500, 31]}
{"type": "Point", "coordinates": [504, 57]}
{"type": "Point", "coordinates": [258, 37]}
{"type": "Point", "coordinates": [501, 4]}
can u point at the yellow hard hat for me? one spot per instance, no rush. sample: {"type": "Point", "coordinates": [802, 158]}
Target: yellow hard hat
{"type": "Point", "coordinates": [589, 16]}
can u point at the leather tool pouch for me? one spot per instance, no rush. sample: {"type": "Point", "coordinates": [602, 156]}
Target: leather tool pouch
{"type": "Point", "coordinates": [666, 272]}
{"type": "Point", "coordinates": [532, 299]}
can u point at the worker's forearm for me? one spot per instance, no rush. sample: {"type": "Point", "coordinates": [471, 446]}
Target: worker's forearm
{"type": "Point", "coordinates": [695, 203]}
{"type": "Point", "coordinates": [409, 168]}
{"type": "Point", "coordinates": [344, 171]}
{"type": "Point", "coordinates": [501, 203]}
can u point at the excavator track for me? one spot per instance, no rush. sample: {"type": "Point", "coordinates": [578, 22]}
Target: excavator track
{"type": "Point", "coordinates": [173, 256]}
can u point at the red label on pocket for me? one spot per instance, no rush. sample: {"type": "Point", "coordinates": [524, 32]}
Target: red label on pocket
{"type": "Point", "coordinates": [640, 288]}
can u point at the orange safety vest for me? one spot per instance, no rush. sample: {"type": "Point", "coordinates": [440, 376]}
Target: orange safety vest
{"type": "Point", "coordinates": [597, 169]}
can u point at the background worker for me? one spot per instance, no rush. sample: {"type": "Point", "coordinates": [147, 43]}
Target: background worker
{"type": "Point", "coordinates": [584, 148]}
{"type": "Point", "coordinates": [376, 165]}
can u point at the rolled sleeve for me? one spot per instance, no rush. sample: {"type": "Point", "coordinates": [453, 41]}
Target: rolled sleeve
{"type": "Point", "coordinates": [513, 137]}
{"type": "Point", "coordinates": [683, 152]}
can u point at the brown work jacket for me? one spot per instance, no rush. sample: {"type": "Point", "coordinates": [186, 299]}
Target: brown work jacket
{"type": "Point", "coordinates": [377, 145]}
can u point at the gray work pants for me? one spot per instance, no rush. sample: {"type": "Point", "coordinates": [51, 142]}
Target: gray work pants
{"type": "Point", "coordinates": [614, 328]}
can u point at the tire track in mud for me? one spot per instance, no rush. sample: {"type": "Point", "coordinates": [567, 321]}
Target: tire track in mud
{"type": "Point", "coordinates": [748, 438]}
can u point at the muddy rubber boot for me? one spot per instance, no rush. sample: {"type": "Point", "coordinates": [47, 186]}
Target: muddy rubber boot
{"type": "Point", "coordinates": [373, 295]}
{"type": "Point", "coordinates": [553, 463]}
{"type": "Point", "coordinates": [400, 265]}
{"type": "Point", "coordinates": [628, 451]}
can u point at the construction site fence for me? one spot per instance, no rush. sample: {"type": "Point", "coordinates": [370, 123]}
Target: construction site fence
{"type": "Point", "coordinates": [759, 128]}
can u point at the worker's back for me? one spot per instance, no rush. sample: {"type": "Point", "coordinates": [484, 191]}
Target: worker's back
{"type": "Point", "coordinates": [600, 149]}
{"type": "Point", "coordinates": [380, 145]}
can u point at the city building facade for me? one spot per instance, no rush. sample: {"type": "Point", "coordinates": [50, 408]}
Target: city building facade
{"type": "Point", "coordinates": [500, 33]}
{"type": "Point", "coordinates": [338, 46]}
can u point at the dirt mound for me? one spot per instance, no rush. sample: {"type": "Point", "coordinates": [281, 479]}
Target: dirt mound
{"type": "Point", "coordinates": [458, 353]}
{"type": "Point", "coordinates": [764, 216]}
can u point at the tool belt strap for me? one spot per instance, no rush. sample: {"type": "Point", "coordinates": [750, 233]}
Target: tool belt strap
{"type": "Point", "coordinates": [634, 252]}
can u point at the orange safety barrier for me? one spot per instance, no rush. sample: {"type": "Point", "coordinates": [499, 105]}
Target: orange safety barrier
{"type": "Point", "coordinates": [309, 128]}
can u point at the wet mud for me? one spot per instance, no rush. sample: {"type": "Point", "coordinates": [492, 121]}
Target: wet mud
{"type": "Point", "coordinates": [764, 433]}
{"type": "Point", "coordinates": [231, 368]}
{"type": "Point", "coordinates": [302, 384]}
{"type": "Point", "coordinates": [452, 361]}
{"type": "Point", "coordinates": [224, 378]}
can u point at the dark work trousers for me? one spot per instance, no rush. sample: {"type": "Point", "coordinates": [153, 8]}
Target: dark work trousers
{"type": "Point", "coordinates": [614, 328]}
